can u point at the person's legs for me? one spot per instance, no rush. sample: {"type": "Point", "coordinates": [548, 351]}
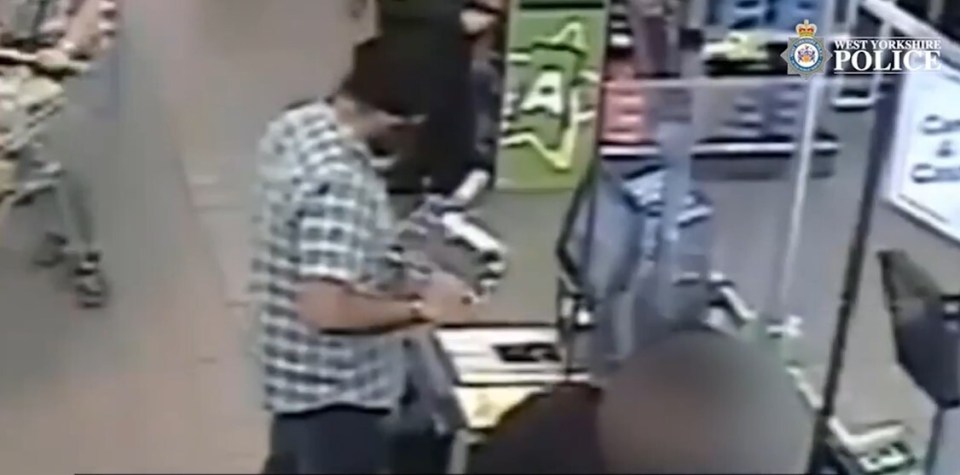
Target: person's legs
{"type": "Point", "coordinates": [281, 459]}
{"type": "Point", "coordinates": [340, 439]}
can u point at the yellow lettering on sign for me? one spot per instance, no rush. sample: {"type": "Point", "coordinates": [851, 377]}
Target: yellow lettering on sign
{"type": "Point", "coordinates": [546, 94]}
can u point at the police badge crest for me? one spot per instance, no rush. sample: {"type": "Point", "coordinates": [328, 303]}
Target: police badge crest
{"type": "Point", "coordinates": [806, 54]}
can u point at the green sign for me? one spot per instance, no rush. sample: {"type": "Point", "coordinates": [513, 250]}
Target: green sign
{"type": "Point", "coordinates": [554, 60]}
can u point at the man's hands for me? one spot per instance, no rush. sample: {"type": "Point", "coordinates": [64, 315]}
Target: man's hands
{"type": "Point", "coordinates": [54, 58]}
{"type": "Point", "coordinates": [59, 59]}
{"type": "Point", "coordinates": [447, 300]}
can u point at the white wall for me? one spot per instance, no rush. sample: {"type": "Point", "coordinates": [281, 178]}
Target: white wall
{"type": "Point", "coordinates": [225, 67]}
{"type": "Point", "coordinates": [230, 65]}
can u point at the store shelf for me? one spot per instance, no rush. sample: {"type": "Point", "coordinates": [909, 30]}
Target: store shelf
{"type": "Point", "coordinates": [623, 40]}
{"type": "Point", "coordinates": [772, 36]}
{"type": "Point", "coordinates": [717, 149]}
{"type": "Point", "coordinates": [709, 166]}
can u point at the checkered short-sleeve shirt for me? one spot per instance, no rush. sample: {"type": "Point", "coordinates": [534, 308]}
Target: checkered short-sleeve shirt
{"type": "Point", "coordinates": [324, 214]}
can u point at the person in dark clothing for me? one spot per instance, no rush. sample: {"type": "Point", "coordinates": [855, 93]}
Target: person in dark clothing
{"type": "Point", "coordinates": [549, 432]}
{"type": "Point", "coordinates": [694, 402]}
{"type": "Point", "coordinates": [428, 35]}
{"type": "Point", "coordinates": [483, 23]}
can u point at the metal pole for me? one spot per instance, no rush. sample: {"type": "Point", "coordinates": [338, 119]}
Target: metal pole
{"type": "Point", "coordinates": [876, 79]}
{"type": "Point", "coordinates": [777, 313]}
{"type": "Point", "coordinates": [945, 457]}
{"type": "Point", "coordinates": [850, 293]}
{"type": "Point", "coordinates": [903, 22]}
{"type": "Point", "coordinates": [849, 25]}
{"type": "Point", "coordinates": [933, 446]}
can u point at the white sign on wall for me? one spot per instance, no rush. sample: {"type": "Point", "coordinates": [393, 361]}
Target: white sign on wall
{"type": "Point", "coordinates": [925, 171]}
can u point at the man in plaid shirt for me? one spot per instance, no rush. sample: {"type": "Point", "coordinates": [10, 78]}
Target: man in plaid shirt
{"type": "Point", "coordinates": [331, 306]}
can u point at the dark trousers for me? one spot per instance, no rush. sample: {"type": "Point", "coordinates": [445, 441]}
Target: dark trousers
{"type": "Point", "coordinates": [337, 439]}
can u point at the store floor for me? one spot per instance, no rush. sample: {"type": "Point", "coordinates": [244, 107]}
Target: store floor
{"type": "Point", "coordinates": [155, 382]}
{"type": "Point", "coordinates": [159, 381]}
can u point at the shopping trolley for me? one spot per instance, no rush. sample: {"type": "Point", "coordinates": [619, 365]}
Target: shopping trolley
{"type": "Point", "coordinates": [30, 97]}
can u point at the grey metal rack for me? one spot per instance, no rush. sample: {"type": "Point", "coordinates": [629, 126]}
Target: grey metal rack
{"type": "Point", "coordinates": [756, 137]}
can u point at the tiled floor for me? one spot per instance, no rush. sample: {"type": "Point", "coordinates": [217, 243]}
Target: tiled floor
{"type": "Point", "coordinates": [159, 381]}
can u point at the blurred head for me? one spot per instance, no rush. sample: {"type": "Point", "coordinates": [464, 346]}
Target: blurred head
{"type": "Point", "coordinates": [691, 403]}
{"type": "Point", "coordinates": [375, 101]}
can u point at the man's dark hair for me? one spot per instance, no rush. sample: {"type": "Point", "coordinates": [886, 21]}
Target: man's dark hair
{"type": "Point", "coordinates": [381, 80]}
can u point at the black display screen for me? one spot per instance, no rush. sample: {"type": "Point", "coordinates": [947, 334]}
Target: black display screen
{"type": "Point", "coordinates": [926, 327]}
